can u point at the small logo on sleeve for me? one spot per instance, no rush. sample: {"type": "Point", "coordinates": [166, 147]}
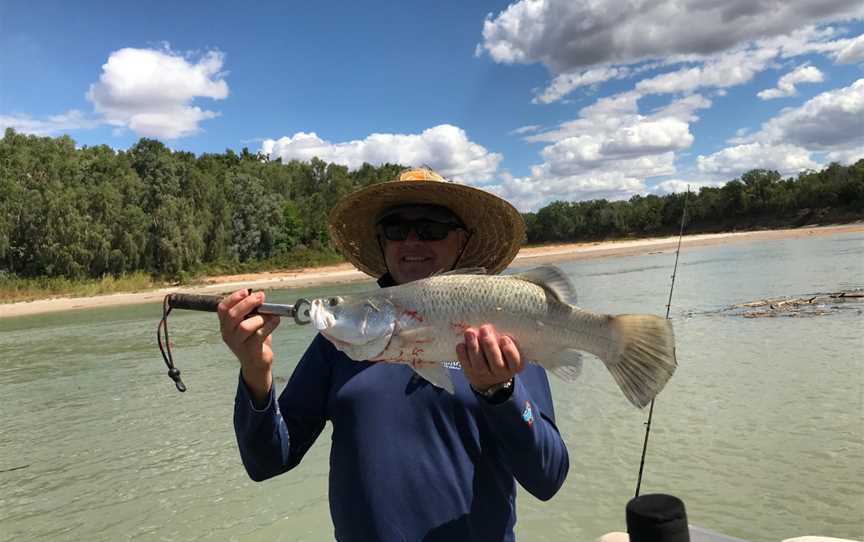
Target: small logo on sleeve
{"type": "Point", "coordinates": [527, 414]}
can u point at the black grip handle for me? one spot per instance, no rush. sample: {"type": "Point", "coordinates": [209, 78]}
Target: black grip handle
{"type": "Point", "coordinates": [193, 302]}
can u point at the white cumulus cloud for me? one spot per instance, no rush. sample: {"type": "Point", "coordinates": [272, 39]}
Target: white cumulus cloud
{"type": "Point", "coordinates": [151, 91]}
{"type": "Point", "coordinates": [639, 139]}
{"type": "Point", "coordinates": [50, 126]}
{"type": "Point", "coordinates": [566, 35]}
{"type": "Point", "coordinates": [565, 83]}
{"type": "Point", "coordinates": [829, 122]}
{"type": "Point", "coordinates": [540, 188]}
{"type": "Point", "coordinates": [833, 120]}
{"type": "Point", "coordinates": [732, 161]}
{"type": "Point", "coordinates": [525, 129]}
{"type": "Point", "coordinates": [846, 156]}
{"type": "Point", "coordinates": [586, 43]}
{"type": "Point", "coordinates": [608, 151]}
{"type": "Point", "coordinates": [721, 71]}
{"type": "Point", "coordinates": [852, 51]}
{"type": "Point", "coordinates": [786, 84]}
{"type": "Point", "coordinates": [445, 148]}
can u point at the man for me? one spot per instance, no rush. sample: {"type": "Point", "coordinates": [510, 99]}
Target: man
{"type": "Point", "coordinates": [408, 460]}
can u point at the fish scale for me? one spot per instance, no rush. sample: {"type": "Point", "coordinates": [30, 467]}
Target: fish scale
{"type": "Point", "coordinates": [513, 306]}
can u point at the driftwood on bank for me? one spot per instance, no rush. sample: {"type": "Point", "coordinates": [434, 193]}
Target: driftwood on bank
{"type": "Point", "coordinates": [810, 305]}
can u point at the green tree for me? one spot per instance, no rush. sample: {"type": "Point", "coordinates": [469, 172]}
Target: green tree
{"type": "Point", "coordinates": [257, 220]}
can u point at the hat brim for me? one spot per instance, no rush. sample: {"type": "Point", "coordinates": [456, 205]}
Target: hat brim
{"type": "Point", "coordinates": [497, 229]}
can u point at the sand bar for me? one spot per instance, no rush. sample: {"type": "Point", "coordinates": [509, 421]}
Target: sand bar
{"type": "Point", "coordinates": [344, 273]}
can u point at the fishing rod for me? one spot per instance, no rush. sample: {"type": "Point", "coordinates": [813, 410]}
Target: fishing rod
{"type": "Point", "coordinates": [668, 306]}
{"type": "Point", "coordinates": [299, 311]}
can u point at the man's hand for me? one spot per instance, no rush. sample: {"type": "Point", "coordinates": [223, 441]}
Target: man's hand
{"type": "Point", "coordinates": [249, 339]}
{"type": "Point", "coordinates": [487, 358]}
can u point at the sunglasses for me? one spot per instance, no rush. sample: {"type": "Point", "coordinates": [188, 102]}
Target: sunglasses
{"type": "Point", "coordinates": [426, 230]}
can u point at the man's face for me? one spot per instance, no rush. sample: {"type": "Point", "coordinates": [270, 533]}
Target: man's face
{"type": "Point", "coordinates": [414, 258]}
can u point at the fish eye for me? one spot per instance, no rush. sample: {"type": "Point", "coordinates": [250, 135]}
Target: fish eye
{"type": "Point", "coordinates": [333, 301]}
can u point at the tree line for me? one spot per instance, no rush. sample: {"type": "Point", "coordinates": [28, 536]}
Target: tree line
{"type": "Point", "coordinates": [94, 211]}
{"type": "Point", "coordinates": [91, 211]}
{"type": "Point", "coordinates": [758, 199]}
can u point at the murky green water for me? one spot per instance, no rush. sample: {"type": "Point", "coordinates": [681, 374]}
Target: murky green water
{"type": "Point", "coordinates": [760, 432]}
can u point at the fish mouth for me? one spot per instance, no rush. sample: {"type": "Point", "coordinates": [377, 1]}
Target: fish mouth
{"type": "Point", "coordinates": [321, 318]}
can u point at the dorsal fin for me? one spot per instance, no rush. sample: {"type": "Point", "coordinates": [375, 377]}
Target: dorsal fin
{"type": "Point", "coordinates": [553, 280]}
{"type": "Point", "coordinates": [462, 271]}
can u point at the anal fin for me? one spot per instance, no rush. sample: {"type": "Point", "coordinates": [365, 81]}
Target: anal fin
{"type": "Point", "coordinates": [565, 364]}
{"type": "Point", "coordinates": [435, 373]}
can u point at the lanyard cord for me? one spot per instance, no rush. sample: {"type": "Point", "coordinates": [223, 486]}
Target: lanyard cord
{"type": "Point", "coordinates": [210, 303]}
{"type": "Point", "coordinates": [173, 371]}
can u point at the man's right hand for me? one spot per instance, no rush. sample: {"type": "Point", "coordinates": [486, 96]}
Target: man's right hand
{"type": "Point", "coordinates": [249, 339]}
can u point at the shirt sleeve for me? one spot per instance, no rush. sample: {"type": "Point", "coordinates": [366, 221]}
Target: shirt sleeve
{"type": "Point", "coordinates": [525, 427]}
{"type": "Point", "coordinates": [273, 439]}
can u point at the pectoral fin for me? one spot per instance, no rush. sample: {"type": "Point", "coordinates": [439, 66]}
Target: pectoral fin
{"type": "Point", "coordinates": [414, 336]}
{"type": "Point", "coordinates": [435, 373]}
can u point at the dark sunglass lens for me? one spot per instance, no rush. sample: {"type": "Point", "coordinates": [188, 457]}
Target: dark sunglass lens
{"type": "Point", "coordinates": [426, 230]}
{"type": "Point", "coordinates": [396, 231]}
{"type": "Point", "coordinates": [432, 231]}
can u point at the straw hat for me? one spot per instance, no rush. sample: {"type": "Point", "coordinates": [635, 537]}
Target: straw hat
{"type": "Point", "coordinates": [497, 229]}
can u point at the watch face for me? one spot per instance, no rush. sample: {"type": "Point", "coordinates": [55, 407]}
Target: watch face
{"type": "Point", "coordinates": [499, 392]}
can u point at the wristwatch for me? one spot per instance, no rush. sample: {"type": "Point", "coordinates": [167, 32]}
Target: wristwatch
{"type": "Point", "coordinates": [496, 393]}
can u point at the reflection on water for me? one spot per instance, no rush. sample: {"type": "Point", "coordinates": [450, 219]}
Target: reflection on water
{"type": "Point", "coordinates": [760, 432]}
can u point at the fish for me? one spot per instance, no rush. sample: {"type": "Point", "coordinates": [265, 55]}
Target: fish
{"type": "Point", "coordinates": [421, 322]}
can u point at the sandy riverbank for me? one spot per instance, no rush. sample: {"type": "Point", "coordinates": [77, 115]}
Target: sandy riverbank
{"type": "Point", "coordinates": [346, 273]}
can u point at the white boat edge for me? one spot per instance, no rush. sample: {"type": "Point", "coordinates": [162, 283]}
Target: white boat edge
{"type": "Point", "coordinates": [698, 534]}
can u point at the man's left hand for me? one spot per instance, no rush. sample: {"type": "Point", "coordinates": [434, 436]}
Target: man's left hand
{"type": "Point", "coordinates": [487, 358]}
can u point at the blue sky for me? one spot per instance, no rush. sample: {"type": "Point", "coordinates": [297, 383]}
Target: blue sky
{"type": "Point", "coordinates": [536, 100]}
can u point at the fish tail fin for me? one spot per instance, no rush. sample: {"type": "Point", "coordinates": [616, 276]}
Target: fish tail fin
{"type": "Point", "coordinates": [642, 355]}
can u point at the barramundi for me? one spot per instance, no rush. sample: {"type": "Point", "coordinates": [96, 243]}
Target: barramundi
{"type": "Point", "coordinates": [421, 322]}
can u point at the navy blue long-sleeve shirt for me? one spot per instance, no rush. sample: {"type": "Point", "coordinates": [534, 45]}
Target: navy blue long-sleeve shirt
{"type": "Point", "coordinates": [408, 461]}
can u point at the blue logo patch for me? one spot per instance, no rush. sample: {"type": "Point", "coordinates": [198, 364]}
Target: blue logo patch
{"type": "Point", "coordinates": [527, 415]}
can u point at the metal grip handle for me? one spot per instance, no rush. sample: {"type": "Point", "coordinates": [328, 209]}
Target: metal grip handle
{"type": "Point", "coordinates": [207, 303]}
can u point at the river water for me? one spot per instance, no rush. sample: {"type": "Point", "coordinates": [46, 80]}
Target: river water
{"type": "Point", "coordinates": [760, 431]}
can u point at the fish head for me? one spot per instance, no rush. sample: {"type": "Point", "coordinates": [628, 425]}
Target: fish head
{"type": "Point", "coordinates": [360, 326]}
